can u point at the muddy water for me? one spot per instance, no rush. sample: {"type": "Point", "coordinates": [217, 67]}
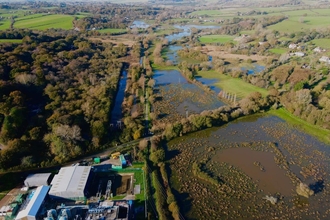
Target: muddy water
{"type": "Point", "coordinates": [180, 96]}
{"type": "Point", "coordinates": [229, 156]}
{"type": "Point", "coordinates": [269, 177]}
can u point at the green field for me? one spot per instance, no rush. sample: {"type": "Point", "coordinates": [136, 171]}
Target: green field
{"type": "Point", "coordinates": [232, 85]}
{"type": "Point", "coordinates": [278, 50]}
{"type": "Point", "coordinates": [10, 40]}
{"type": "Point", "coordinates": [216, 38]}
{"type": "Point", "coordinates": [323, 42]}
{"type": "Point", "coordinates": [299, 20]}
{"type": "Point", "coordinates": [322, 134]}
{"type": "Point", "coordinates": [4, 24]}
{"type": "Point", "coordinates": [113, 30]}
{"type": "Point", "coordinates": [46, 22]}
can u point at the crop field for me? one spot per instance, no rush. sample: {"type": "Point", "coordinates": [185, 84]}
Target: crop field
{"type": "Point", "coordinates": [216, 38]}
{"type": "Point", "coordinates": [113, 30]}
{"type": "Point", "coordinates": [232, 85]}
{"type": "Point", "coordinates": [46, 22]}
{"type": "Point", "coordinates": [10, 41]}
{"type": "Point", "coordinates": [323, 42]}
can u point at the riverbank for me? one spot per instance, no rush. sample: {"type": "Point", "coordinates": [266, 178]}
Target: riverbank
{"type": "Point", "coordinates": [320, 133]}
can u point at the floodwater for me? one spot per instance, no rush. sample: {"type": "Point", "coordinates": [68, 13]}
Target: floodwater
{"type": "Point", "coordinates": [210, 83]}
{"type": "Point", "coordinates": [242, 144]}
{"type": "Point", "coordinates": [255, 68]}
{"type": "Point", "coordinates": [172, 54]}
{"type": "Point", "coordinates": [270, 178]}
{"type": "Point", "coordinates": [116, 113]}
{"type": "Point", "coordinates": [184, 96]}
{"type": "Point", "coordinates": [186, 31]}
{"type": "Point", "coordinates": [139, 24]}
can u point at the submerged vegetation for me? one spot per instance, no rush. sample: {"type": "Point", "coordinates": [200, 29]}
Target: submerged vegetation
{"type": "Point", "coordinates": [203, 84]}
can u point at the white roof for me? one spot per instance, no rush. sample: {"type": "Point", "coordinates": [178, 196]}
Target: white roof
{"type": "Point", "coordinates": [69, 181]}
{"type": "Point", "coordinates": [37, 179]}
{"type": "Point", "coordinates": [32, 208]}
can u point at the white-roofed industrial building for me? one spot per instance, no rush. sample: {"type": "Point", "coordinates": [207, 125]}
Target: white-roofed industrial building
{"type": "Point", "coordinates": [70, 183]}
{"type": "Point", "coordinates": [33, 207]}
{"type": "Point", "coordinates": [37, 179]}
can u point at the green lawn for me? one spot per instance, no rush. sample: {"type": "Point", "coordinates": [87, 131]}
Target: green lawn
{"type": "Point", "coordinates": [232, 85]}
{"type": "Point", "coordinates": [113, 30]}
{"type": "Point", "coordinates": [46, 22]}
{"type": "Point", "coordinates": [207, 12]}
{"type": "Point", "coordinates": [323, 42]}
{"type": "Point", "coordinates": [10, 40]}
{"type": "Point", "coordinates": [316, 131]}
{"type": "Point", "coordinates": [278, 50]}
{"type": "Point", "coordinates": [216, 38]}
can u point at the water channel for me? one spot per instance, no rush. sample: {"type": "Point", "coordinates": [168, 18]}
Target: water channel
{"type": "Point", "coordinates": [116, 113]}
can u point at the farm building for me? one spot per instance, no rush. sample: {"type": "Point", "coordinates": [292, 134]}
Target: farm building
{"type": "Point", "coordinates": [37, 179]}
{"type": "Point", "coordinates": [70, 183]}
{"type": "Point", "coordinates": [32, 208]}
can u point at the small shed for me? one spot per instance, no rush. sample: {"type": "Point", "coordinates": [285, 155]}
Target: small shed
{"type": "Point", "coordinates": [37, 179]}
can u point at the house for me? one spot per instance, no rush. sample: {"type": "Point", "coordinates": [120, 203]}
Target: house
{"type": "Point", "coordinates": [293, 46]}
{"type": "Point", "coordinates": [318, 50]}
{"type": "Point", "coordinates": [298, 54]}
{"type": "Point", "coordinates": [325, 59]}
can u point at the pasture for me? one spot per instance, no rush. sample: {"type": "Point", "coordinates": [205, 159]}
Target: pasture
{"type": "Point", "coordinates": [46, 22]}
{"type": "Point", "coordinates": [4, 24]}
{"type": "Point", "coordinates": [216, 38]}
{"type": "Point", "coordinates": [232, 85]}
{"type": "Point", "coordinates": [300, 20]}
{"type": "Point", "coordinates": [113, 30]}
{"type": "Point", "coordinates": [323, 42]}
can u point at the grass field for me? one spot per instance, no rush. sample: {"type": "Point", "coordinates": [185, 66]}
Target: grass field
{"type": "Point", "coordinates": [303, 19]}
{"type": "Point", "coordinates": [215, 38]}
{"type": "Point", "coordinates": [10, 41]}
{"type": "Point", "coordinates": [46, 22]}
{"type": "Point", "coordinates": [232, 85]}
{"type": "Point", "coordinates": [4, 24]}
{"type": "Point", "coordinates": [322, 134]}
{"type": "Point", "coordinates": [278, 50]}
{"type": "Point", "coordinates": [113, 30]}
{"type": "Point", "coordinates": [323, 42]}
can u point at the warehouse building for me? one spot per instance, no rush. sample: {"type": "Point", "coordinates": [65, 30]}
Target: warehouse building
{"type": "Point", "coordinates": [37, 179]}
{"type": "Point", "coordinates": [70, 183]}
{"type": "Point", "coordinates": [32, 208]}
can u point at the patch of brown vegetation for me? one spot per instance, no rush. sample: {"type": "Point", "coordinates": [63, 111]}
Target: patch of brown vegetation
{"type": "Point", "coordinates": [128, 42]}
{"type": "Point", "coordinates": [215, 52]}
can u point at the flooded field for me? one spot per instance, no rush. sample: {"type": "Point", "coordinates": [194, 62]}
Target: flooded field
{"type": "Point", "coordinates": [176, 98]}
{"type": "Point", "coordinates": [227, 172]}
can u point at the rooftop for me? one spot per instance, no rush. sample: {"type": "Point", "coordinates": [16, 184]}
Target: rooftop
{"type": "Point", "coordinates": [35, 203]}
{"type": "Point", "coordinates": [70, 179]}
